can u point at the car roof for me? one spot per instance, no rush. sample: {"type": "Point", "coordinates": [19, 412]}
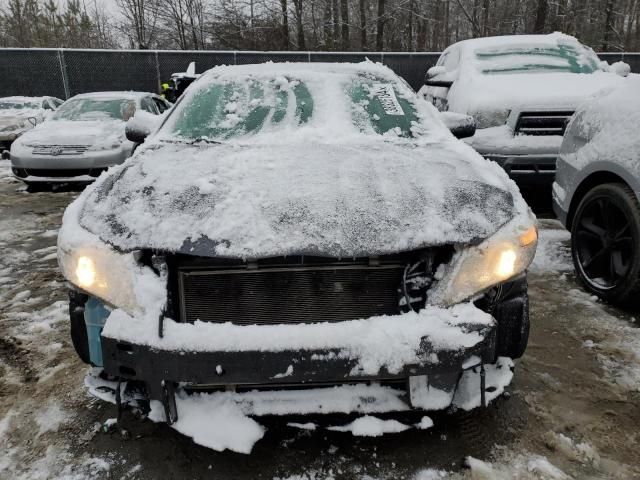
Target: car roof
{"type": "Point", "coordinates": [18, 99]}
{"type": "Point", "coordinates": [504, 40]}
{"type": "Point", "coordinates": [301, 69]}
{"type": "Point", "coordinates": [131, 95]}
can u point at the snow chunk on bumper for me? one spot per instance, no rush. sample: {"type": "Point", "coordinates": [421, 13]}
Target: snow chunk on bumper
{"type": "Point", "coordinates": [389, 342]}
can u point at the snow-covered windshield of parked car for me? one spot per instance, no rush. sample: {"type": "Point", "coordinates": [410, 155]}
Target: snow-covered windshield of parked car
{"type": "Point", "coordinates": [8, 105]}
{"type": "Point", "coordinates": [246, 105]}
{"type": "Point", "coordinates": [82, 109]}
{"type": "Point", "coordinates": [536, 59]}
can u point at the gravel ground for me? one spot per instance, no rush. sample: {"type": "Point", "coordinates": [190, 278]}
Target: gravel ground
{"type": "Point", "coordinates": [572, 411]}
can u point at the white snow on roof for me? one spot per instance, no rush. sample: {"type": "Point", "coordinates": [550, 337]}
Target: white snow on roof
{"type": "Point", "coordinates": [112, 95]}
{"type": "Point", "coordinates": [19, 99]}
{"type": "Point", "coordinates": [554, 38]}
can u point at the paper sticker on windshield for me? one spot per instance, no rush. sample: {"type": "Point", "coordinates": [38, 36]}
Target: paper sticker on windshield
{"type": "Point", "coordinates": [387, 97]}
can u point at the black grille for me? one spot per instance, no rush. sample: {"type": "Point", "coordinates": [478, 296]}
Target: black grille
{"type": "Point", "coordinates": [63, 173]}
{"type": "Point", "coordinates": [543, 123]}
{"type": "Point", "coordinates": [300, 292]}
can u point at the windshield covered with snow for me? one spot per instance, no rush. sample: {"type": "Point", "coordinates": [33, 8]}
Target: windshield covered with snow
{"type": "Point", "coordinates": [17, 105]}
{"type": "Point", "coordinates": [81, 109]}
{"type": "Point", "coordinates": [571, 58]}
{"type": "Point", "coordinates": [247, 105]}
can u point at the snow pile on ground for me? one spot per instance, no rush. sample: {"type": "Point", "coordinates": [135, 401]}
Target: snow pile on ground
{"type": "Point", "coordinates": [214, 421]}
{"type": "Point", "coordinates": [386, 341]}
{"type": "Point", "coordinates": [368, 426]}
{"type": "Point", "coordinates": [615, 340]}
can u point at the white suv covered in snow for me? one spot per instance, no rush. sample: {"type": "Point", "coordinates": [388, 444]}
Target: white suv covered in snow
{"type": "Point", "coordinates": [522, 90]}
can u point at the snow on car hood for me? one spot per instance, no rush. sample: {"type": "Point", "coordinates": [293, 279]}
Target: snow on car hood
{"type": "Point", "coordinates": [66, 132]}
{"type": "Point", "coordinates": [307, 198]}
{"type": "Point", "coordinates": [480, 93]}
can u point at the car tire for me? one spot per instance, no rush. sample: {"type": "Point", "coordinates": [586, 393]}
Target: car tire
{"type": "Point", "coordinates": [605, 242]}
{"type": "Point", "coordinates": [79, 336]}
{"type": "Point", "coordinates": [512, 315]}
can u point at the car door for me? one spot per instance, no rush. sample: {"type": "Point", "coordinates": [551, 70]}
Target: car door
{"type": "Point", "coordinates": [440, 79]}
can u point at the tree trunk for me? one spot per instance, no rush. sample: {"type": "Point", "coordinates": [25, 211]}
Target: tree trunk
{"type": "Point", "coordinates": [380, 26]}
{"type": "Point", "coordinates": [363, 25]}
{"type": "Point", "coordinates": [285, 25]}
{"type": "Point", "coordinates": [344, 10]}
{"type": "Point", "coordinates": [299, 28]}
{"type": "Point", "coordinates": [608, 26]}
{"type": "Point", "coordinates": [541, 16]}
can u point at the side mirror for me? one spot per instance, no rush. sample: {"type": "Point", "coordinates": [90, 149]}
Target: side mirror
{"type": "Point", "coordinates": [620, 68]}
{"type": "Point", "coordinates": [6, 155]}
{"type": "Point", "coordinates": [33, 121]}
{"type": "Point", "coordinates": [460, 125]}
{"type": "Point", "coordinates": [431, 78]}
{"type": "Point", "coordinates": [140, 126]}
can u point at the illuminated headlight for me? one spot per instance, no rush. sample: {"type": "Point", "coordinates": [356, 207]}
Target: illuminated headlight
{"type": "Point", "coordinates": [491, 118]}
{"type": "Point", "coordinates": [103, 273]}
{"type": "Point", "coordinates": [478, 268]}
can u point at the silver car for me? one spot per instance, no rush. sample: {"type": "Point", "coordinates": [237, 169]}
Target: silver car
{"type": "Point", "coordinates": [596, 194]}
{"type": "Point", "coordinates": [19, 114]}
{"type": "Point", "coordinates": [83, 138]}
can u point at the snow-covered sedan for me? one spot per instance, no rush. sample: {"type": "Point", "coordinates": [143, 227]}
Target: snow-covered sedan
{"type": "Point", "coordinates": [83, 138]}
{"type": "Point", "coordinates": [597, 192]}
{"type": "Point", "coordinates": [522, 91]}
{"type": "Point", "coordinates": [300, 225]}
{"type": "Point", "coordinates": [19, 114]}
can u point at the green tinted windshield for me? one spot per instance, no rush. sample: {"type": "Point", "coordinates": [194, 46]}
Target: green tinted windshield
{"type": "Point", "coordinates": [560, 58]}
{"type": "Point", "coordinates": [225, 110]}
{"type": "Point", "coordinates": [379, 108]}
{"type": "Point", "coordinates": [96, 109]}
{"type": "Point", "coordinates": [247, 106]}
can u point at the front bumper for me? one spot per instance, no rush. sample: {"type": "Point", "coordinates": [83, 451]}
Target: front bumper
{"type": "Point", "coordinates": [527, 170]}
{"type": "Point", "coordinates": [81, 168]}
{"type": "Point", "coordinates": [157, 367]}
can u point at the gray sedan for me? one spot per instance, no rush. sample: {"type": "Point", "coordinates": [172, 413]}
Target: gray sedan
{"type": "Point", "coordinates": [597, 191]}
{"type": "Point", "coordinates": [82, 139]}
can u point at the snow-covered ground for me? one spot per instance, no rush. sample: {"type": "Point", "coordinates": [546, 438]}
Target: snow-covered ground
{"type": "Point", "coordinates": [572, 410]}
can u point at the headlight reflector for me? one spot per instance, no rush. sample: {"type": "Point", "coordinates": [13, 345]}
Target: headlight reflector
{"type": "Point", "coordinates": [475, 269]}
{"type": "Point", "coordinates": [103, 273]}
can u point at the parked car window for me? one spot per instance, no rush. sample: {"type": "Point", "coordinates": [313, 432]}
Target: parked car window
{"type": "Point", "coordinates": [518, 59]}
{"type": "Point", "coordinates": [57, 102]}
{"type": "Point", "coordinates": [14, 104]}
{"type": "Point", "coordinates": [149, 105]}
{"type": "Point", "coordinates": [379, 108]}
{"type": "Point", "coordinates": [47, 105]}
{"type": "Point", "coordinates": [225, 110]}
{"type": "Point", "coordinates": [162, 106]}
{"type": "Point", "coordinates": [96, 109]}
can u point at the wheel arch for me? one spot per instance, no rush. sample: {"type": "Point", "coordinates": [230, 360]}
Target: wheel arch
{"type": "Point", "coordinates": [591, 181]}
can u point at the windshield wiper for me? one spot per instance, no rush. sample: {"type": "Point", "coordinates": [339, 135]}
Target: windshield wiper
{"type": "Point", "coordinates": [203, 140]}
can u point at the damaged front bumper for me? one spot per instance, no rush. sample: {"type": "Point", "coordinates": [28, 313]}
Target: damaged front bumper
{"type": "Point", "coordinates": [429, 382]}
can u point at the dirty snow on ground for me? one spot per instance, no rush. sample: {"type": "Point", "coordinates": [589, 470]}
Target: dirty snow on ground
{"type": "Point", "coordinates": [37, 380]}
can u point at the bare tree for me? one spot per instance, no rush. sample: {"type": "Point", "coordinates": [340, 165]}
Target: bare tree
{"type": "Point", "coordinates": [141, 17]}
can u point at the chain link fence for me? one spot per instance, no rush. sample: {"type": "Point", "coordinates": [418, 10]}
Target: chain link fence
{"type": "Point", "coordinates": [63, 73]}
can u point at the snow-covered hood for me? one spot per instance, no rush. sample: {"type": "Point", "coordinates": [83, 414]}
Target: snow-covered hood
{"type": "Point", "coordinates": [322, 199]}
{"type": "Point", "coordinates": [65, 132]}
{"type": "Point", "coordinates": [481, 93]}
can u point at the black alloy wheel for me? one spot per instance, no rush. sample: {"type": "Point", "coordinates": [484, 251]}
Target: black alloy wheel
{"type": "Point", "coordinates": [605, 242]}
